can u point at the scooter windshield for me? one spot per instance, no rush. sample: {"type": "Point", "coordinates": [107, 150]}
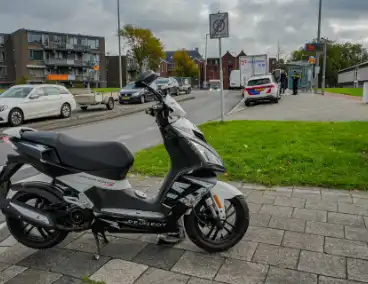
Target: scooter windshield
{"type": "Point", "coordinates": [177, 110]}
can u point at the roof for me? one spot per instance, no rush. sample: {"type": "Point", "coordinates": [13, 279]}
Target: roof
{"type": "Point", "coordinates": [194, 54]}
{"type": "Point", "coordinates": [56, 33]}
{"type": "Point", "coordinates": [363, 64]}
{"type": "Point", "coordinates": [260, 77]}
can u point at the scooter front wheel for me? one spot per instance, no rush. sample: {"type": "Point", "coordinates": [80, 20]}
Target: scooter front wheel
{"type": "Point", "coordinates": [203, 231]}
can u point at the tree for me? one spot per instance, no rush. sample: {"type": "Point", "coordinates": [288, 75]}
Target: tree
{"type": "Point", "coordinates": [143, 46]}
{"type": "Point", "coordinates": [184, 65]}
{"type": "Point", "coordinates": [339, 56]}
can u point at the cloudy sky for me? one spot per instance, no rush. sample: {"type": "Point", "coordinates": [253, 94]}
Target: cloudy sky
{"type": "Point", "coordinates": [255, 25]}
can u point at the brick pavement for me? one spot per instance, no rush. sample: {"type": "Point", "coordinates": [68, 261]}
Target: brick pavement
{"type": "Point", "coordinates": [296, 235]}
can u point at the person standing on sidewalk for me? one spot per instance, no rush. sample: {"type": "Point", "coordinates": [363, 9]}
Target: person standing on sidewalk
{"type": "Point", "coordinates": [295, 77]}
{"type": "Point", "coordinates": [283, 81]}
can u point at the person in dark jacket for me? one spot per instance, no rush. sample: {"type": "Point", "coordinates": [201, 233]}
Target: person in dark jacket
{"type": "Point", "coordinates": [283, 81]}
{"type": "Point", "coordinates": [295, 77]}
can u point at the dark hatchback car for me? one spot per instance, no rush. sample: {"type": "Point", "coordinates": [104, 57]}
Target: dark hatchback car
{"type": "Point", "coordinates": [131, 94]}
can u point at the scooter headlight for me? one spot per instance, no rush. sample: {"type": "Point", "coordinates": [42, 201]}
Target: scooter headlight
{"type": "Point", "coordinates": [207, 155]}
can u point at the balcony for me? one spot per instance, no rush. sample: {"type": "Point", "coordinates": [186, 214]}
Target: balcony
{"type": "Point", "coordinates": [66, 46]}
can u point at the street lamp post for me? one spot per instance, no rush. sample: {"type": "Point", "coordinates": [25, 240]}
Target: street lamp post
{"type": "Point", "coordinates": [318, 41]}
{"type": "Point", "coordinates": [205, 62]}
{"type": "Point", "coordinates": [119, 40]}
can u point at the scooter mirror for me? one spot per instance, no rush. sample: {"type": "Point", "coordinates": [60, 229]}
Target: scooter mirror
{"type": "Point", "coordinates": [146, 78]}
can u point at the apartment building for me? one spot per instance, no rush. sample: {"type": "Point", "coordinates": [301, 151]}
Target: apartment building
{"type": "Point", "coordinates": [129, 67]}
{"type": "Point", "coordinates": [39, 57]}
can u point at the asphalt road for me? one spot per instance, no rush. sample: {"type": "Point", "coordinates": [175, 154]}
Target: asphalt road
{"type": "Point", "coordinates": [139, 131]}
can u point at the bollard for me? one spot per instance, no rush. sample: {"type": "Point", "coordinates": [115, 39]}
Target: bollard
{"type": "Point", "coordinates": [365, 93]}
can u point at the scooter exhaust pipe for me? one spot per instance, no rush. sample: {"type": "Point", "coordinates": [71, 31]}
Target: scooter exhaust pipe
{"type": "Point", "coordinates": [30, 214]}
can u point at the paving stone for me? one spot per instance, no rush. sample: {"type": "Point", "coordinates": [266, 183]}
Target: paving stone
{"type": "Point", "coordinates": [357, 269]}
{"type": "Point", "coordinates": [345, 219]}
{"type": "Point", "coordinates": [280, 211]}
{"type": "Point", "coordinates": [86, 243]}
{"type": "Point", "coordinates": [188, 245]}
{"type": "Point", "coordinates": [310, 215]}
{"type": "Point", "coordinates": [68, 280]}
{"type": "Point", "coordinates": [360, 202]}
{"type": "Point", "coordinates": [259, 220]}
{"type": "Point", "coordinates": [11, 272]}
{"type": "Point", "coordinates": [155, 276]}
{"type": "Point", "coordinates": [46, 259]}
{"type": "Point", "coordinates": [70, 238]}
{"type": "Point", "coordinates": [336, 195]}
{"type": "Point", "coordinates": [303, 241]}
{"type": "Point", "coordinates": [314, 194]}
{"type": "Point", "coordinates": [9, 242]}
{"type": "Point", "coordinates": [159, 256]}
{"type": "Point", "coordinates": [352, 209]}
{"type": "Point", "coordinates": [290, 202]}
{"type": "Point", "coordinates": [16, 253]}
{"type": "Point", "coordinates": [359, 194]}
{"type": "Point", "coordinates": [255, 187]}
{"type": "Point", "coordinates": [264, 235]}
{"type": "Point", "coordinates": [356, 234]}
{"type": "Point", "coordinates": [330, 280]}
{"type": "Point", "coordinates": [199, 265]}
{"type": "Point", "coordinates": [259, 198]}
{"type": "Point", "coordinates": [346, 248]}
{"type": "Point", "coordinates": [289, 224]}
{"type": "Point", "coordinates": [3, 266]}
{"type": "Point", "coordinates": [4, 233]}
{"type": "Point", "coordinates": [80, 265]}
{"type": "Point", "coordinates": [254, 207]}
{"type": "Point", "coordinates": [35, 277]}
{"type": "Point", "coordinates": [240, 272]}
{"type": "Point", "coordinates": [275, 255]}
{"type": "Point", "coordinates": [243, 250]}
{"type": "Point", "coordinates": [125, 236]}
{"type": "Point", "coordinates": [287, 276]}
{"type": "Point", "coordinates": [119, 271]}
{"type": "Point", "coordinates": [279, 191]}
{"type": "Point", "coordinates": [123, 248]}
{"type": "Point", "coordinates": [324, 264]}
{"type": "Point", "coordinates": [195, 280]}
{"type": "Point", "coordinates": [325, 229]}
{"type": "Point", "coordinates": [324, 205]}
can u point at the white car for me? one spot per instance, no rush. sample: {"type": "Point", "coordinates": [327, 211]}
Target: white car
{"type": "Point", "coordinates": [24, 102]}
{"type": "Point", "coordinates": [261, 88]}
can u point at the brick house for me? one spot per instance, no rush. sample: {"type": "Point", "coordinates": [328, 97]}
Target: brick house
{"type": "Point", "coordinates": [229, 63]}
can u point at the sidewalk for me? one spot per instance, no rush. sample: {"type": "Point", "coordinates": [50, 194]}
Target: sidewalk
{"type": "Point", "coordinates": [307, 107]}
{"type": "Point", "coordinates": [297, 235]}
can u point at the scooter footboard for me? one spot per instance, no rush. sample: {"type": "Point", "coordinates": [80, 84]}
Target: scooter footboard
{"type": "Point", "coordinates": [222, 191]}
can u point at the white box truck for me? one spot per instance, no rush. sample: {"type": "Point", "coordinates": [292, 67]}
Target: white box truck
{"type": "Point", "coordinates": [235, 80]}
{"type": "Point", "coordinates": [252, 65]}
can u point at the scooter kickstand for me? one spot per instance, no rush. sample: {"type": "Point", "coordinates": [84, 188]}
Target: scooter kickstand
{"type": "Point", "coordinates": [97, 254]}
{"type": "Point", "coordinates": [105, 240]}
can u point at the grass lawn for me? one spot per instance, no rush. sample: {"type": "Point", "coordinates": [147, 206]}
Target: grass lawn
{"type": "Point", "coordinates": [326, 154]}
{"type": "Point", "coordinates": [1, 90]}
{"type": "Point", "coordinates": [355, 92]}
{"type": "Point", "coordinates": [105, 90]}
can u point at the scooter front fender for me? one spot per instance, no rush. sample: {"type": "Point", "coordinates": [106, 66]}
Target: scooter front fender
{"type": "Point", "coordinates": [221, 192]}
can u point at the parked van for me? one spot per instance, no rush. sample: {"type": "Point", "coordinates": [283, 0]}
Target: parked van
{"type": "Point", "coordinates": [235, 80]}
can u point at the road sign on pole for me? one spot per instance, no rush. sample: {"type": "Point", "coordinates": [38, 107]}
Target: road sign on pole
{"type": "Point", "coordinates": [219, 28]}
{"type": "Point", "coordinates": [219, 25]}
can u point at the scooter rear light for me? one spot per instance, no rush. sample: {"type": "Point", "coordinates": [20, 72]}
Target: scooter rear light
{"type": "Point", "coordinates": [6, 140]}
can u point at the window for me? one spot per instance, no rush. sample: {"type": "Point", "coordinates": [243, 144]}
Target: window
{"type": "Point", "coordinates": [92, 43]}
{"type": "Point", "coordinates": [97, 43]}
{"type": "Point", "coordinates": [257, 82]}
{"type": "Point", "coordinates": [35, 54]}
{"type": "Point", "coordinates": [2, 56]}
{"type": "Point", "coordinates": [51, 91]}
{"type": "Point", "coordinates": [34, 38]}
{"type": "Point", "coordinates": [2, 40]}
{"type": "Point", "coordinates": [3, 71]}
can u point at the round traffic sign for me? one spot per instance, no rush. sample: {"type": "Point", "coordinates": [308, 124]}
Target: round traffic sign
{"type": "Point", "coordinates": [218, 26]}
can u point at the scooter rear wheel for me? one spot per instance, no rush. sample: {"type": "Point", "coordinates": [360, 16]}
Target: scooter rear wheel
{"type": "Point", "coordinates": [205, 234]}
{"type": "Point", "coordinates": [30, 235]}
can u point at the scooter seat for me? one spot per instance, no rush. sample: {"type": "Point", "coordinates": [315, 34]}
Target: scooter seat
{"type": "Point", "coordinates": [84, 155]}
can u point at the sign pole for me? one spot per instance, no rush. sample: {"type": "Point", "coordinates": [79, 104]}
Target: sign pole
{"type": "Point", "coordinates": [221, 82]}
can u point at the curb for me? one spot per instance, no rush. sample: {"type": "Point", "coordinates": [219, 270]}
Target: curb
{"type": "Point", "coordinates": [76, 121]}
